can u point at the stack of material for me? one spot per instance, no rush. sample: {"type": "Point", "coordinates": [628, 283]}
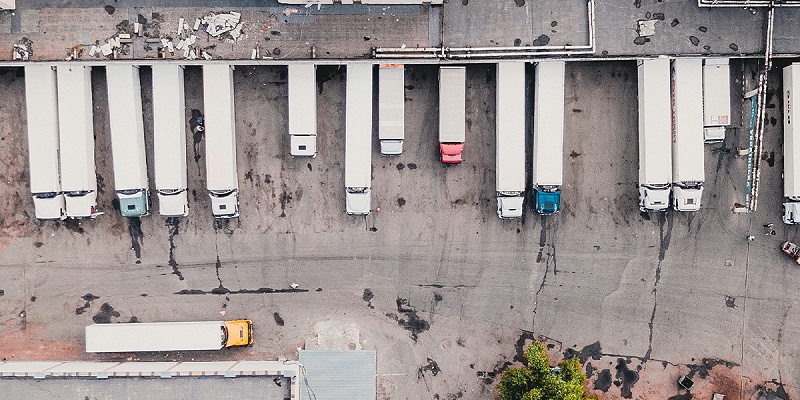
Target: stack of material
{"type": "Point", "coordinates": [111, 46]}
{"type": "Point", "coordinates": [23, 49]}
{"type": "Point", "coordinates": [217, 24]}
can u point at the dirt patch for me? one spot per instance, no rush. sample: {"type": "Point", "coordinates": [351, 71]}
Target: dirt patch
{"type": "Point", "coordinates": [28, 345]}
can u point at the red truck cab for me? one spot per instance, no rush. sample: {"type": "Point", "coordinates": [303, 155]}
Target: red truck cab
{"type": "Point", "coordinates": [451, 152]}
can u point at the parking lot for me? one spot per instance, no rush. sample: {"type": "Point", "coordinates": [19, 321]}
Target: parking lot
{"type": "Point", "coordinates": [434, 281]}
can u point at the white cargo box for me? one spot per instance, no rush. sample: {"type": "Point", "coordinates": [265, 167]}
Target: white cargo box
{"type": "Point", "coordinates": [358, 127]}
{"type": "Point", "coordinates": [302, 109]}
{"type": "Point", "coordinates": [127, 128]}
{"type": "Point", "coordinates": [169, 139]}
{"type": "Point", "coordinates": [220, 127]}
{"type": "Point", "coordinates": [510, 127]}
{"type": "Point", "coordinates": [548, 124]}
{"type": "Point", "coordinates": [716, 98]}
{"type": "Point", "coordinates": [687, 127]}
{"type": "Point", "coordinates": [791, 134]}
{"type": "Point", "coordinates": [391, 108]}
{"type": "Point", "coordinates": [42, 107]}
{"type": "Point", "coordinates": [157, 336]}
{"type": "Point", "coordinates": [655, 122]}
{"type": "Point", "coordinates": [452, 104]}
{"type": "Point", "coordinates": [76, 139]}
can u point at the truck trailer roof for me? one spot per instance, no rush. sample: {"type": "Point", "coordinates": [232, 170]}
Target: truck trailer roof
{"type": "Point", "coordinates": [791, 133]}
{"type": "Point", "coordinates": [716, 92]}
{"type": "Point", "coordinates": [302, 83]}
{"type": "Point", "coordinates": [76, 127]}
{"type": "Point", "coordinates": [687, 120]}
{"type": "Point", "coordinates": [655, 122]}
{"type": "Point", "coordinates": [391, 101]}
{"type": "Point", "coordinates": [548, 124]}
{"type": "Point", "coordinates": [42, 109]}
{"type": "Point", "coordinates": [358, 126]}
{"type": "Point", "coordinates": [220, 127]}
{"type": "Point", "coordinates": [169, 127]}
{"type": "Point", "coordinates": [127, 128]}
{"type": "Point", "coordinates": [510, 126]}
{"type": "Point", "coordinates": [156, 336]}
{"type": "Point", "coordinates": [452, 104]}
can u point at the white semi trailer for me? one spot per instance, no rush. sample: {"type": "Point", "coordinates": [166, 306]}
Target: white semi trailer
{"type": "Point", "coordinates": [716, 98]}
{"type": "Point", "coordinates": [391, 108]}
{"type": "Point", "coordinates": [76, 139]}
{"type": "Point", "coordinates": [302, 109]}
{"type": "Point", "coordinates": [41, 98]}
{"type": "Point", "coordinates": [220, 131]}
{"type": "Point", "coordinates": [452, 113]}
{"type": "Point", "coordinates": [169, 140]}
{"type": "Point", "coordinates": [168, 336]}
{"type": "Point", "coordinates": [127, 139]}
{"type": "Point", "coordinates": [510, 133]}
{"type": "Point", "coordinates": [655, 126]}
{"type": "Point", "coordinates": [791, 144]}
{"type": "Point", "coordinates": [548, 136]}
{"type": "Point", "coordinates": [688, 167]}
{"type": "Point", "coordinates": [358, 139]}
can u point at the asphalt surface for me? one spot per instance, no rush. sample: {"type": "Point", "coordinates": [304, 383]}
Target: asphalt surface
{"type": "Point", "coordinates": [352, 31]}
{"type": "Point", "coordinates": [435, 282]}
{"type": "Point", "coordinates": [144, 388]}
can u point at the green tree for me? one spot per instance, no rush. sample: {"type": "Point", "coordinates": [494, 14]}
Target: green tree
{"type": "Point", "coordinates": [536, 381]}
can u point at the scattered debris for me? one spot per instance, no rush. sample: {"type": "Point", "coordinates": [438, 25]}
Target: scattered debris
{"type": "Point", "coordinates": [23, 49]}
{"type": "Point", "coordinates": [646, 27]}
{"type": "Point", "coordinates": [217, 24]}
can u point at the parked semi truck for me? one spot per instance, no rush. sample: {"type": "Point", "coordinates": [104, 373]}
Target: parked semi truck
{"type": "Point", "coordinates": [220, 132]}
{"type": "Point", "coordinates": [548, 136]}
{"type": "Point", "coordinates": [358, 139]}
{"type": "Point", "coordinates": [168, 336]}
{"type": "Point", "coordinates": [391, 108]}
{"type": "Point", "coordinates": [452, 113]}
{"type": "Point", "coordinates": [791, 144]}
{"type": "Point", "coordinates": [127, 139]}
{"type": "Point", "coordinates": [76, 140]}
{"type": "Point", "coordinates": [169, 140]}
{"type": "Point", "coordinates": [41, 98]}
{"type": "Point", "coordinates": [716, 98]}
{"type": "Point", "coordinates": [655, 126]}
{"type": "Point", "coordinates": [688, 167]}
{"type": "Point", "coordinates": [302, 110]}
{"type": "Point", "coordinates": [510, 132]}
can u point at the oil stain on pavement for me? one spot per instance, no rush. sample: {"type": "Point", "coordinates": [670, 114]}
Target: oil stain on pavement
{"type": "Point", "coordinates": [412, 322]}
{"type": "Point", "coordinates": [106, 313]}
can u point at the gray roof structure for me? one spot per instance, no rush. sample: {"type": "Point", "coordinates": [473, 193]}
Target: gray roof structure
{"type": "Point", "coordinates": [339, 374]}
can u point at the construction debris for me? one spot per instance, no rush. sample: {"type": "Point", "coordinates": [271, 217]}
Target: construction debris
{"type": "Point", "coordinates": [23, 49]}
{"type": "Point", "coordinates": [217, 24]}
{"type": "Point", "coordinates": [646, 27]}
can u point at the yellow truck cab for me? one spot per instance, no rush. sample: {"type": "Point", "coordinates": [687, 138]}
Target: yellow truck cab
{"type": "Point", "coordinates": [238, 333]}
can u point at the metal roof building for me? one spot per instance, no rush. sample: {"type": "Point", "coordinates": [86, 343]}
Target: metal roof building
{"type": "Point", "coordinates": [338, 374]}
